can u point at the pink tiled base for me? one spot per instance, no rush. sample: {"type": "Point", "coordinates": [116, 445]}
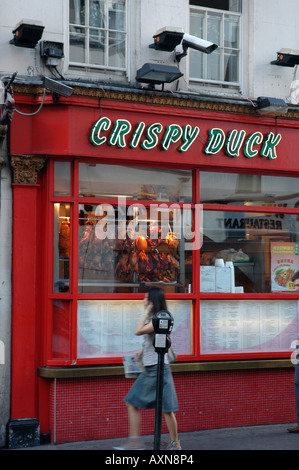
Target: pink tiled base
{"type": "Point", "coordinates": [93, 408]}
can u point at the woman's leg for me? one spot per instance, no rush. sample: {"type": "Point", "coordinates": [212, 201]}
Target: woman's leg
{"type": "Point", "coordinates": [134, 420]}
{"type": "Point", "coordinates": [171, 424]}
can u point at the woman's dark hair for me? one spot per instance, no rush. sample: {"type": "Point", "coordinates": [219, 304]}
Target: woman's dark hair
{"type": "Point", "coordinates": [157, 298]}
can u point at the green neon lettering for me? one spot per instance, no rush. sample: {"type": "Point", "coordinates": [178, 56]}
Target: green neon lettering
{"type": "Point", "coordinates": [102, 124]}
{"type": "Point", "coordinates": [121, 128]}
{"type": "Point", "coordinates": [254, 139]}
{"type": "Point", "coordinates": [189, 135]}
{"type": "Point", "coordinates": [173, 134]}
{"type": "Point", "coordinates": [137, 135]}
{"type": "Point", "coordinates": [234, 142]}
{"type": "Point", "coordinates": [216, 141]}
{"type": "Point", "coordinates": [151, 136]}
{"type": "Point", "coordinates": [269, 146]}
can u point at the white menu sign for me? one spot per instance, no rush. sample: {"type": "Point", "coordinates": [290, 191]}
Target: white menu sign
{"type": "Point", "coordinates": [248, 326]}
{"type": "Point", "coordinates": [106, 327]}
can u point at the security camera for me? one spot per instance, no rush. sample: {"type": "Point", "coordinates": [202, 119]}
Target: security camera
{"type": "Point", "coordinates": [169, 37]}
{"type": "Point", "coordinates": [198, 44]}
{"type": "Point", "coordinates": [195, 43]}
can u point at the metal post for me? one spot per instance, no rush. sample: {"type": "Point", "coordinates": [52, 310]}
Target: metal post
{"type": "Point", "coordinates": [159, 400]}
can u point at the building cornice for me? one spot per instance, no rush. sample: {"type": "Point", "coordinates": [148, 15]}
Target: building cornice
{"type": "Point", "coordinates": [154, 98]}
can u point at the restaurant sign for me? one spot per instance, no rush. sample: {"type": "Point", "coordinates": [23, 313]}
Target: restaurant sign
{"type": "Point", "coordinates": [123, 134]}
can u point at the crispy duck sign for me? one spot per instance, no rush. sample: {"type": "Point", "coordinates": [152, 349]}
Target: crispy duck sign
{"type": "Point", "coordinates": [122, 133]}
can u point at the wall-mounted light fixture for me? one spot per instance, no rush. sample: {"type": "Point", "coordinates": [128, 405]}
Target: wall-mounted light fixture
{"type": "Point", "coordinates": [168, 38]}
{"type": "Point", "coordinates": [27, 33]}
{"type": "Point", "coordinates": [157, 74]}
{"type": "Point", "coordinates": [287, 58]}
{"type": "Point", "coordinates": [271, 106]}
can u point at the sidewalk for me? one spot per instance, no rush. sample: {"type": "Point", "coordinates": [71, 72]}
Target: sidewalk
{"type": "Point", "coordinates": [266, 437]}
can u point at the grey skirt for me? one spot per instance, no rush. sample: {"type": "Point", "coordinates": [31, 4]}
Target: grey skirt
{"type": "Point", "coordinates": [144, 389]}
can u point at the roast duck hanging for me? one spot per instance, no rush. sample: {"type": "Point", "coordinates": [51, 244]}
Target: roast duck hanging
{"type": "Point", "coordinates": [150, 259]}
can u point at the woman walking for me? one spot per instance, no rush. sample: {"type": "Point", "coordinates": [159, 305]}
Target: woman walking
{"type": "Point", "coordinates": [143, 391]}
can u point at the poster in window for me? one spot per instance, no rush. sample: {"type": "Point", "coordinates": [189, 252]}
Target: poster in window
{"type": "Point", "coordinates": [284, 264]}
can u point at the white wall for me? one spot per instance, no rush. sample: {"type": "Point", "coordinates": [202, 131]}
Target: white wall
{"type": "Point", "coordinates": [267, 26]}
{"type": "Point", "coordinates": [275, 26]}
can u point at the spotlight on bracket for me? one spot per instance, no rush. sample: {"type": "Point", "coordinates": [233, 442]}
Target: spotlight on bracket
{"type": "Point", "coordinates": [57, 89]}
{"type": "Point", "coordinates": [157, 74]}
{"type": "Point", "coordinates": [271, 106]}
{"type": "Point", "coordinates": [27, 33]}
{"type": "Point", "coordinates": [168, 38]}
{"type": "Point", "coordinates": [287, 58]}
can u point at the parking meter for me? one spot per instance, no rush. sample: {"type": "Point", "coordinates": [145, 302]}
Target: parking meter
{"type": "Point", "coordinates": [162, 323]}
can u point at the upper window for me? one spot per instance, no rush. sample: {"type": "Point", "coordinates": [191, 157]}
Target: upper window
{"type": "Point", "coordinates": [98, 33]}
{"type": "Point", "coordinates": [218, 21]}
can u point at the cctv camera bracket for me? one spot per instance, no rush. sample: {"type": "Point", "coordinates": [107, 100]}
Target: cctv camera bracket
{"type": "Point", "coordinates": [180, 55]}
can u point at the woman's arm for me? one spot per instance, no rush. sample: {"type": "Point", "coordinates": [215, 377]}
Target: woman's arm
{"type": "Point", "coordinates": [144, 328]}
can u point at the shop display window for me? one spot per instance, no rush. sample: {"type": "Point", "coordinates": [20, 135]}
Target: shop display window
{"type": "Point", "coordinates": [130, 248]}
{"type": "Point", "coordinates": [148, 184]}
{"type": "Point", "coordinates": [118, 230]}
{"type": "Point", "coordinates": [62, 247]}
{"type": "Point", "coordinates": [248, 252]}
{"type": "Point", "coordinates": [62, 179]}
{"type": "Point", "coordinates": [260, 248]}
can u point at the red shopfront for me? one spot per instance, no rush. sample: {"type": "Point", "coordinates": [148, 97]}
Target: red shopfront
{"type": "Point", "coordinates": [111, 196]}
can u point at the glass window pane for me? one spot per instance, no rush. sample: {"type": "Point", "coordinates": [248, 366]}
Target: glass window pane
{"type": "Point", "coordinates": [117, 50]}
{"type": "Point", "coordinates": [231, 31]}
{"type": "Point", "coordinates": [106, 327]}
{"type": "Point", "coordinates": [62, 179]}
{"type": "Point", "coordinates": [128, 249]}
{"type": "Point", "coordinates": [97, 14]}
{"type": "Point", "coordinates": [97, 46]}
{"type": "Point", "coordinates": [231, 5]}
{"type": "Point", "coordinates": [77, 12]}
{"type": "Point", "coordinates": [78, 45]}
{"type": "Point", "coordinates": [262, 247]}
{"type": "Point", "coordinates": [135, 183]}
{"type": "Point", "coordinates": [231, 66]}
{"type": "Point", "coordinates": [62, 243]}
{"type": "Point", "coordinates": [61, 329]}
{"type": "Point", "coordinates": [214, 25]}
{"type": "Point", "coordinates": [246, 326]}
{"type": "Point", "coordinates": [250, 190]}
{"type": "Point", "coordinates": [117, 17]}
{"type": "Point", "coordinates": [214, 66]}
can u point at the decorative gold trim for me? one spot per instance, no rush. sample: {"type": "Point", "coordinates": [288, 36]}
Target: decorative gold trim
{"type": "Point", "coordinates": [26, 168]}
{"type": "Point", "coordinates": [154, 98]}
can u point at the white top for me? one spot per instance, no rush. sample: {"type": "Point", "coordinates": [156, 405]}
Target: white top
{"type": "Point", "coordinates": [149, 355]}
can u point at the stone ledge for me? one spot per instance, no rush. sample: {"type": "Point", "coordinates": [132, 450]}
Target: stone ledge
{"type": "Point", "coordinates": [103, 371]}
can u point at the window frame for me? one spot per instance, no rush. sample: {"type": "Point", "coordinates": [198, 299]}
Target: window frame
{"type": "Point", "coordinates": [87, 64]}
{"type": "Point", "coordinates": [220, 83]}
{"type": "Point", "coordinates": [196, 297]}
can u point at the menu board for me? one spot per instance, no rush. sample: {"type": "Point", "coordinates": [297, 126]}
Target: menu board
{"type": "Point", "coordinates": [284, 264]}
{"type": "Point", "coordinates": [241, 326]}
{"type": "Point", "coordinates": [106, 327]}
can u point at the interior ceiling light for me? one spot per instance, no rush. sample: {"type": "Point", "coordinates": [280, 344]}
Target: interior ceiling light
{"type": "Point", "coordinates": [287, 58]}
{"type": "Point", "coordinates": [271, 106]}
{"type": "Point", "coordinates": [27, 33]}
{"type": "Point", "coordinates": [157, 74]}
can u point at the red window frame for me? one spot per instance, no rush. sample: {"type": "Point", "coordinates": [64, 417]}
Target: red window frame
{"type": "Point", "coordinates": [74, 296]}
